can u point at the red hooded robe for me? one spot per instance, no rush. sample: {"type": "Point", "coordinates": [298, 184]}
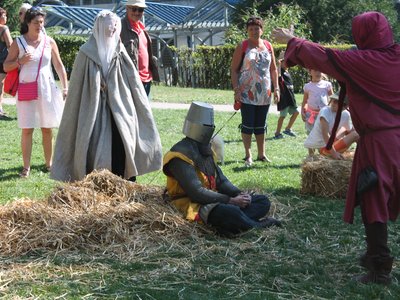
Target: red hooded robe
{"type": "Point", "coordinates": [375, 67]}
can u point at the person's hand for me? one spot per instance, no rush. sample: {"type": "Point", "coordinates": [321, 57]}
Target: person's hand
{"type": "Point", "coordinates": [282, 35]}
{"type": "Point", "coordinates": [236, 94]}
{"type": "Point", "coordinates": [27, 57]}
{"type": "Point", "coordinates": [336, 155]}
{"type": "Point", "coordinates": [276, 96]}
{"type": "Point", "coordinates": [64, 94]}
{"type": "Point", "coordinates": [241, 200]}
{"type": "Point", "coordinates": [303, 115]}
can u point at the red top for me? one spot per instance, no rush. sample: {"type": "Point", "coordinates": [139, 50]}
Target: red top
{"type": "Point", "coordinates": [143, 54]}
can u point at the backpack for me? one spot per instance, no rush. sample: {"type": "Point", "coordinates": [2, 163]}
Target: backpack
{"type": "Point", "coordinates": [245, 45]}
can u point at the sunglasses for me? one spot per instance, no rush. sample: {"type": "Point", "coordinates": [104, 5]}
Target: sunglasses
{"type": "Point", "coordinates": [135, 9]}
{"type": "Point", "coordinates": [36, 8]}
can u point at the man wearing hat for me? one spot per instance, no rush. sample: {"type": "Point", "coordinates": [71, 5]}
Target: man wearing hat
{"type": "Point", "coordinates": [319, 135]}
{"type": "Point", "coordinates": [199, 189]}
{"type": "Point", "coordinates": [138, 43]}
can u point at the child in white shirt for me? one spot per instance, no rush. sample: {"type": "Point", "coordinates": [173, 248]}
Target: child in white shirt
{"type": "Point", "coordinates": [316, 94]}
{"type": "Point", "coordinates": [319, 135]}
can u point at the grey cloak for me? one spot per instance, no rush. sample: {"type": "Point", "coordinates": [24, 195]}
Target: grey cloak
{"type": "Point", "coordinates": [84, 140]}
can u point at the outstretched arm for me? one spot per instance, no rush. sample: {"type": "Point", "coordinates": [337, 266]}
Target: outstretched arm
{"type": "Point", "coordinates": [306, 53]}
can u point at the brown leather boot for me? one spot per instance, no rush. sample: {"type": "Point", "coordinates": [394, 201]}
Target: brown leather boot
{"type": "Point", "coordinates": [379, 269]}
{"type": "Point", "coordinates": [365, 261]}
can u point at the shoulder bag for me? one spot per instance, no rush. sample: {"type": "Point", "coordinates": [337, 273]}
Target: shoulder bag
{"type": "Point", "coordinates": [12, 79]}
{"type": "Point", "coordinates": [28, 91]}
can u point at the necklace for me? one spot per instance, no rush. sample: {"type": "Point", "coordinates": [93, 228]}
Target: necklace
{"type": "Point", "coordinates": [32, 42]}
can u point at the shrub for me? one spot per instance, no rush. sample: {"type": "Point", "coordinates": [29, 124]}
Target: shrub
{"type": "Point", "coordinates": [204, 67]}
{"type": "Point", "coordinates": [68, 46]}
{"type": "Point", "coordinates": [209, 67]}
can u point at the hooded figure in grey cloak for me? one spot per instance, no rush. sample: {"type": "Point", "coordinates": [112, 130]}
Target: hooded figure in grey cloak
{"type": "Point", "coordinates": [107, 121]}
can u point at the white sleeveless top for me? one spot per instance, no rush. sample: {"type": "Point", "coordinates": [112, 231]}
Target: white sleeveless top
{"type": "Point", "coordinates": [46, 111]}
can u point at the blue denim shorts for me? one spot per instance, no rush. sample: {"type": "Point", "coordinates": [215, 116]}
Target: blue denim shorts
{"type": "Point", "coordinates": [254, 118]}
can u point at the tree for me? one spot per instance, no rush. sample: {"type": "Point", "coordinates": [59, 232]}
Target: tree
{"type": "Point", "coordinates": [12, 8]}
{"type": "Point", "coordinates": [329, 20]}
{"type": "Point", "coordinates": [281, 15]}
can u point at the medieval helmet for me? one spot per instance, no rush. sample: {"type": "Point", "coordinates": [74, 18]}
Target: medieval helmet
{"type": "Point", "coordinates": [199, 122]}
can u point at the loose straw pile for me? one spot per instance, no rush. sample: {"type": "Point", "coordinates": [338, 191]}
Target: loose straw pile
{"type": "Point", "coordinates": [102, 212]}
{"type": "Point", "coordinates": [326, 177]}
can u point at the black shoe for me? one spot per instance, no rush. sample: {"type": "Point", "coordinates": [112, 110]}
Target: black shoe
{"type": "Point", "coordinates": [268, 222]}
{"type": "Point", "coordinates": [289, 132]}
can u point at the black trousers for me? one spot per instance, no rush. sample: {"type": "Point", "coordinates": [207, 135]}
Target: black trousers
{"type": "Point", "coordinates": [118, 153]}
{"type": "Point", "coordinates": [377, 238]}
{"type": "Point", "coordinates": [231, 219]}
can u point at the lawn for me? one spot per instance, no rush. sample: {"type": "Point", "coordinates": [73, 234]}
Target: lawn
{"type": "Point", "coordinates": [313, 256]}
{"type": "Point", "coordinates": [161, 93]}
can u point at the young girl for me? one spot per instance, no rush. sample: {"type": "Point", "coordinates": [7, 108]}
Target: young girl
{"type": "Point", "coordinates": [316, 93]}
{"type": "Point", "coordinates": [319, 135]}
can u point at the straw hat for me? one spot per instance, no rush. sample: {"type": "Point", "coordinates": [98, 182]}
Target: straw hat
{"type": "Point", "coordinates": [137, 3]}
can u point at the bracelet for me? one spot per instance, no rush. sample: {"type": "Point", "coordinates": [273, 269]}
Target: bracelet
{"type": "Point", "coordinates": [65, 90]}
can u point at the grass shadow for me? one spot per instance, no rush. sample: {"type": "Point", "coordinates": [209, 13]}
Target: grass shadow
{"type": "Point", "coordinates": [12, 173]}
{"type": "Point", "coordinates": [7, 118]}
{"type": "Point", "coordinates": [272, 138]}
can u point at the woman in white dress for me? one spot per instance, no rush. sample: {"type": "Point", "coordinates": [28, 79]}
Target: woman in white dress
{"type": "Point", "coordinates": [44, 112]}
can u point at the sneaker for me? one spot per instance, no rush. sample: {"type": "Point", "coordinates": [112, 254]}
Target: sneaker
{"type": "Point", "coordinates": [289, 132]}
{"type": "Point", "coordinates": [263, 159]}
{"type": "Point", "coordinates": [278, 136]}
{"type": "Point", "coordinates": [248, 161]}
{"type": "Point", "coordinates": [24, 173]}
{"type": "Point", "coordinates": [2, 113]}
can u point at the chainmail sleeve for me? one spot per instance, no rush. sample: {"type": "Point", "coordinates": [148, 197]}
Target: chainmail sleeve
{"type": "Point", "coordinates": [187, 178]}
{"type": "Point", "coordinates": [224, 186]}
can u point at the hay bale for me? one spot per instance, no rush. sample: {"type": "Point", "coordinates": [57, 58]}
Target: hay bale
{"type": "Point", "coordinates": [102, 212]}
{"type": "Point", "coordinates": [322, 176]}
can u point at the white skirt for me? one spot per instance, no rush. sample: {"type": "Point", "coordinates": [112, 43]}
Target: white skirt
{"type": "Point", "coordinates": [45, 112]}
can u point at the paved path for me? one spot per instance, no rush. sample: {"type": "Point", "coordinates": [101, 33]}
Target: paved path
{"type": "Point", "coordinates": [166, 105]}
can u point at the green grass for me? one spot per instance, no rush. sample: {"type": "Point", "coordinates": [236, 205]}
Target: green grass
{"type": "Point", "coordinates": [312, 257]}
{"type": "Point", "coordinates": [162, 93]}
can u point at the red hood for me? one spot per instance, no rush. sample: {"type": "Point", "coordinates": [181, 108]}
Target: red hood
{"type": "Point", "coordinates": [371, 30]}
